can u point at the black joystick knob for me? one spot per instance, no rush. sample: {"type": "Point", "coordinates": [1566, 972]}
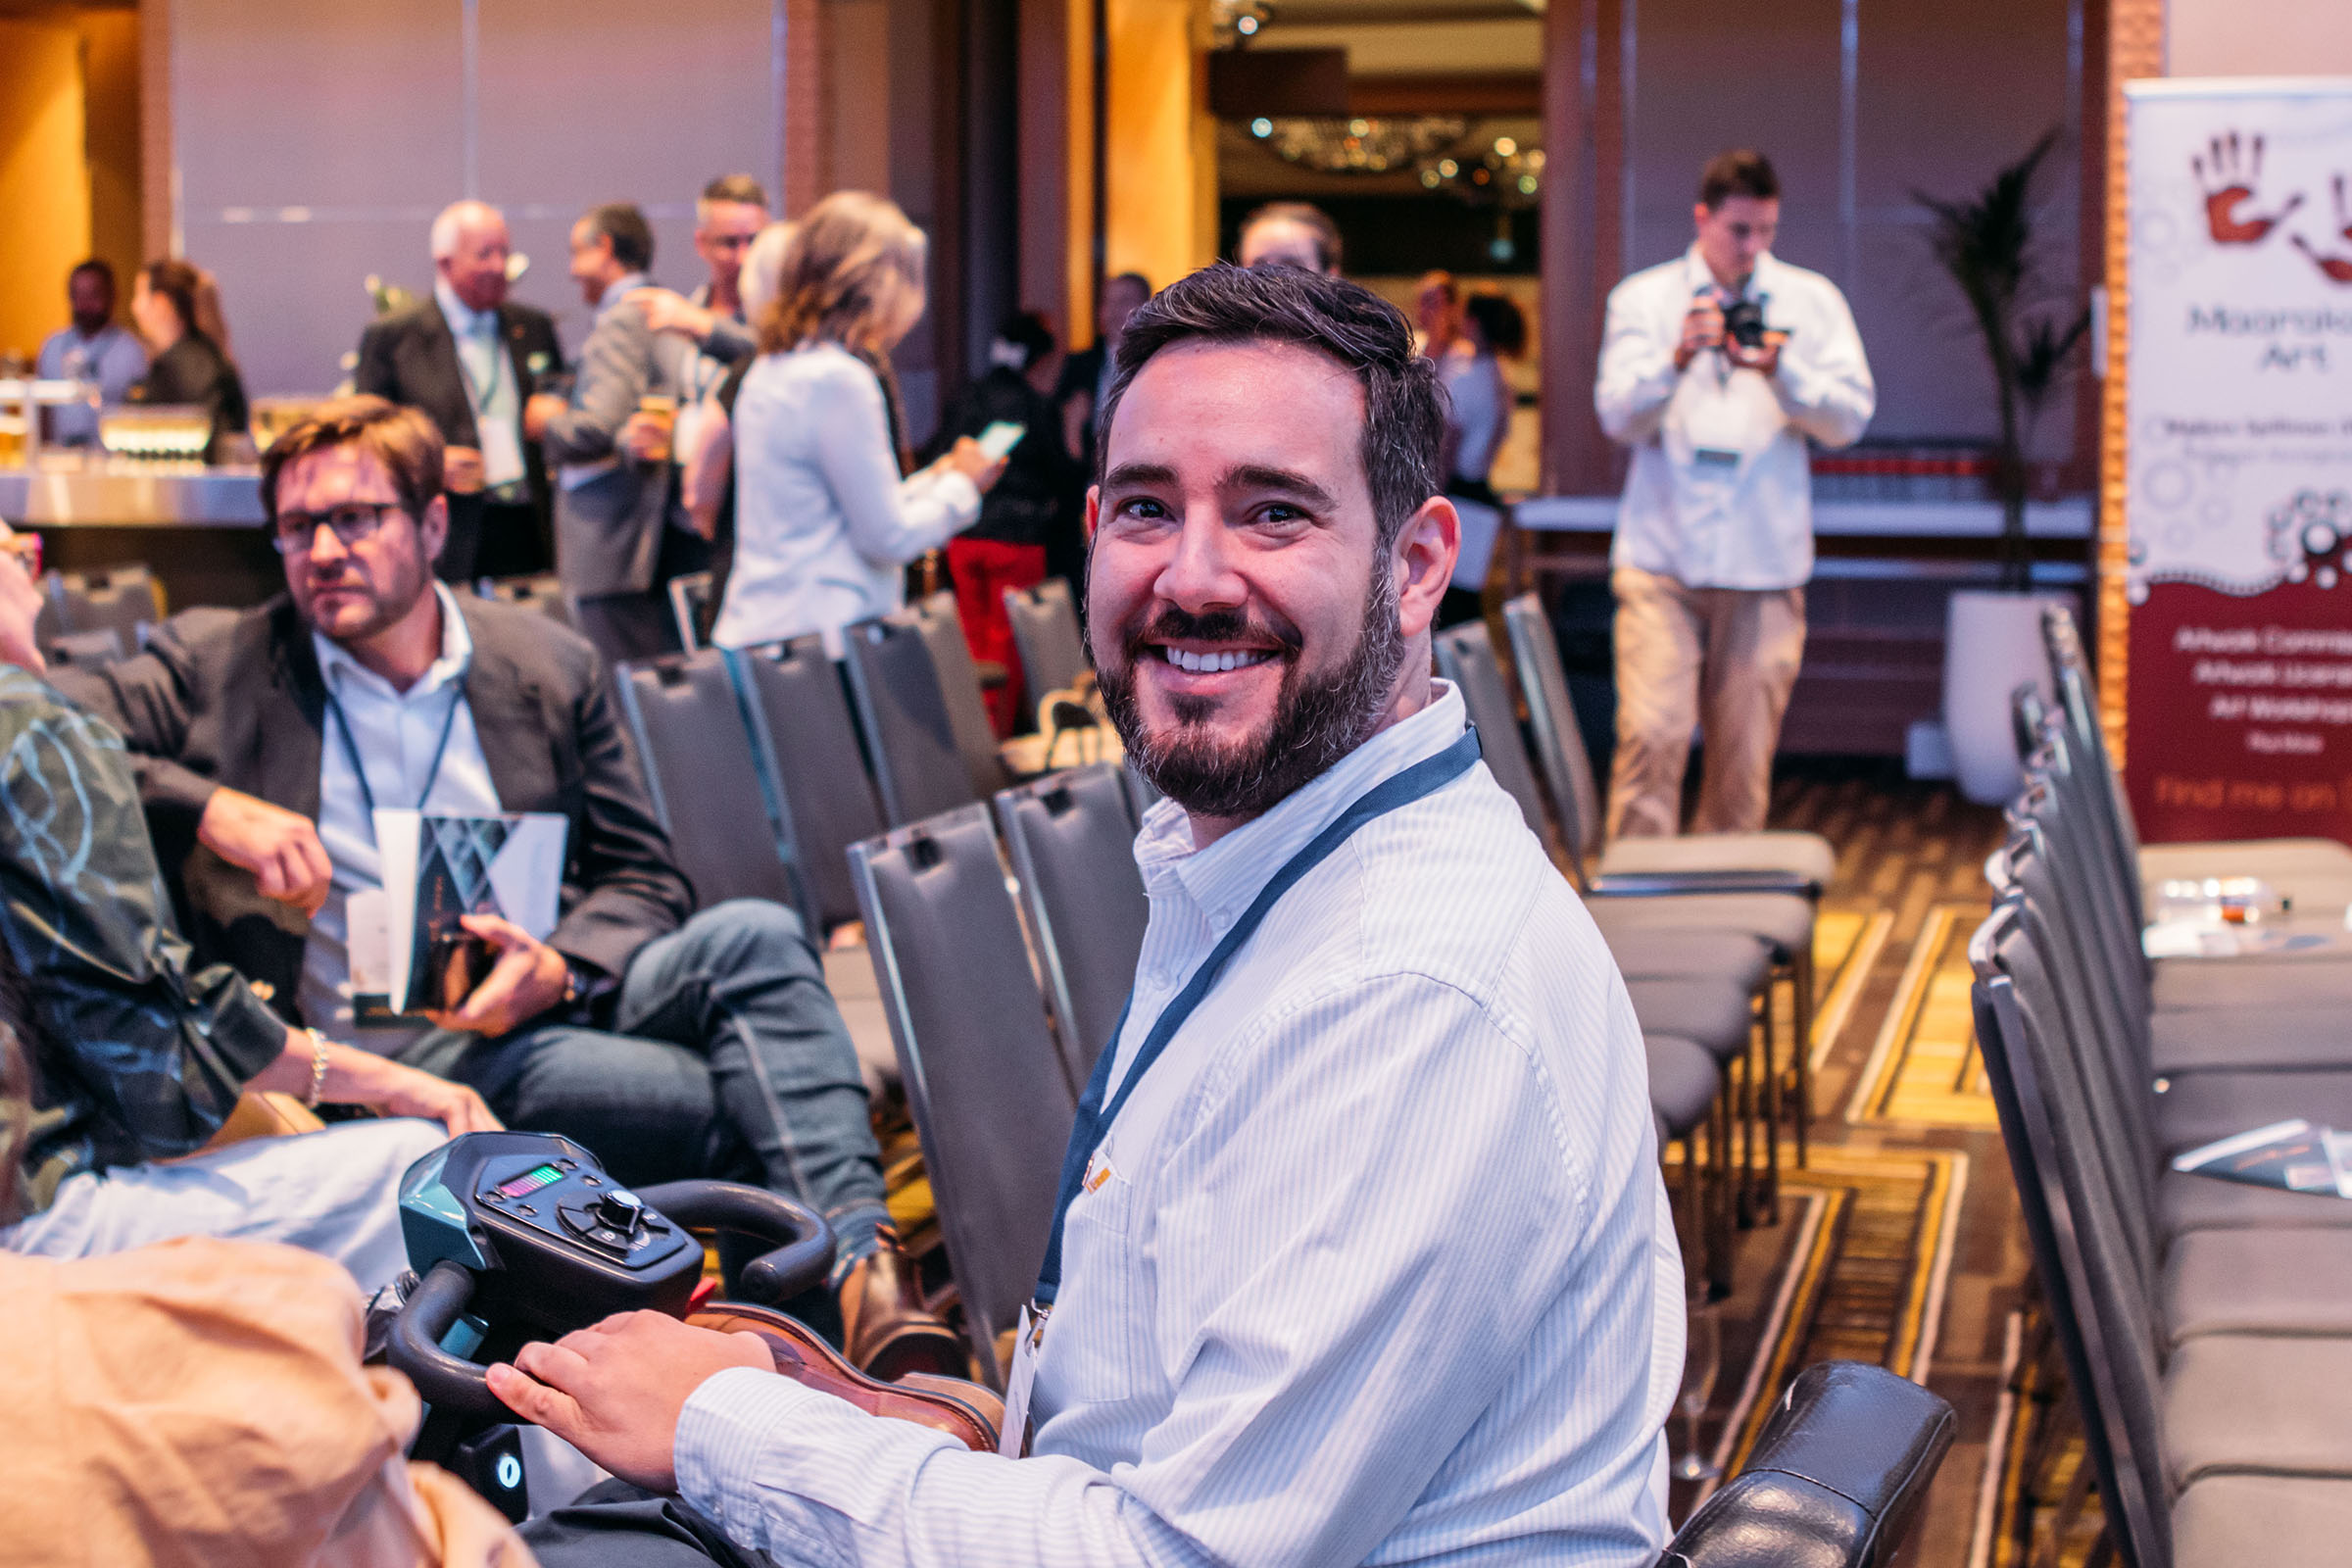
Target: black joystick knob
{"type": "Point", "coordinates": [621, 1210]}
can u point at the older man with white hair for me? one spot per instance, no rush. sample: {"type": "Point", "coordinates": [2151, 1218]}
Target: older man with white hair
{"type": "Point", "coordinates": [470, 359]}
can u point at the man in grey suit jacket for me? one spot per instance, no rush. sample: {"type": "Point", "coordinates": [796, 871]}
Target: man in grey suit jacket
{"type": "Point", "coordinates": [620, 531]}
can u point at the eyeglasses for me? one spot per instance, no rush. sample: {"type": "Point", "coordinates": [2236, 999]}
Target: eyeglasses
{"type": "Point", "coordinates": [353, 525]}
{"type": "Point", "coordinates": [26, 548]}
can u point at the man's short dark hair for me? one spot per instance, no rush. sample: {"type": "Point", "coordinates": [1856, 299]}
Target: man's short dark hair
{"type": "Point", "coordinates": [1741, 172]}
{"type": "Point", "coordinates": [1308, 216]}
{"type": "Point", "coordinates": [736, 188]}
{"type": "Point", "coordinates": [1405, 416]}
{"type": "Point", "coordinates": [404, 440]}
{"type": "Point", "coordinates": [96, 266]}
{"type": "Point", "coordinates": [1134, 280]}
{"type": "Point", "coordinates": [625, 226]}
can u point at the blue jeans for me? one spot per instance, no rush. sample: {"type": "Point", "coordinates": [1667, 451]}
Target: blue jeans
{"type": "Point", "coordinates": [725, 1057]}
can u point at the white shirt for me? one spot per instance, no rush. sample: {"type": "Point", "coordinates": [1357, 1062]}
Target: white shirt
{"type": "Point", "coordinates": [490, 386]}
{"type": "Point", "coordinates": [1720, 494]}
{"type": "Point", "coordinates": [396, 733]}
{"type": "Point", "coordinates": [113, 358]}
{"type": "Point", "coordinates": [1383, 1272]}
{"type": "Point", "coordinates": [823, 523]}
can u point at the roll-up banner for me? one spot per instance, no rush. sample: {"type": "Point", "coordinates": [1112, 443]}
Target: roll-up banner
{"type": "Point", "coordinates": [2239, 458]}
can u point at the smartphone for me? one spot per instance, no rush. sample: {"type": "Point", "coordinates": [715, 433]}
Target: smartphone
{"type": "Point", "coordinates": [1000, 438]}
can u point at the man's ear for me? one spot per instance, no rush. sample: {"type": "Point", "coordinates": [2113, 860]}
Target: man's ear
{"type": "Point", "coordinates": [432, 530]}
{"type": "Point", "coordinates": [1094, 509]}
{"type": "Point", "coordinates": [1426, 550]}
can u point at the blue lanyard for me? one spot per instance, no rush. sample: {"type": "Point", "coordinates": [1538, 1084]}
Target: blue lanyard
{"type": "Point", "coordinates": [1423, 778]}
{"type": "Point", "coordinates": [358, 768]}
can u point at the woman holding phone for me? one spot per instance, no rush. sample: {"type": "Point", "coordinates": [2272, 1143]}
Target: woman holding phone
{"type": "Point", "coordinates": [826, 515]}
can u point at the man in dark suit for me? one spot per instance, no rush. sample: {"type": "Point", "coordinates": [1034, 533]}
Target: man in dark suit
{"type": "Point", "coordinates": [470, 359]}
{"type": "Point", "coordinates": [672, 1046]}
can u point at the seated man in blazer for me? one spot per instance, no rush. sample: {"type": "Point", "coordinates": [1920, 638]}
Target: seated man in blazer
{"type": "Point", "coordinates": [672, 1046]}
{"type": "Point", "coordinates": [470, 359]}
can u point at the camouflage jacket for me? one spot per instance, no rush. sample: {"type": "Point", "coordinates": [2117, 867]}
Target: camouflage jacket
{"type": "Point", "coordinates": [134, 1057]}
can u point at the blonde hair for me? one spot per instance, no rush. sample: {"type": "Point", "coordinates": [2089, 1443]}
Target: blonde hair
{"type": "Point", "coordinates": [763, 269]}
{"type": "Point", "coordinates": [851, 261]}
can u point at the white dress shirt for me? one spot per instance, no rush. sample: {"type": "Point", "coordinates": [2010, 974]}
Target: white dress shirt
{"type": "Point", "coordinates": [1383, 1271]}
{"type": "Point", "coordinates": [1720, 494]}
{"type": "Point", "coordinates": [396, 733]}
{"type": "Point", "coordinates": [824, 525]}
{"type": "Point", "coordinates": [491, 386]}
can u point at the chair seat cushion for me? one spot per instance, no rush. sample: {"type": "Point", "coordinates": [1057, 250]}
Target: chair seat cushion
{"type": "Point", "coordinates": [1780, 918]}
{"type": "Point", "coordinates": [2187, 1202]}
{"type": "Point", "coordinates": [2197, 1107]}
{"type": "Point", "coordinates": [1805, 855]}
{"type": "Point", "coordinates": [2260, 1281]}
{"type": "Point", "coordinates": [2227, 1521]}
{"type": "Point", "coordinates": [2271, 1405]}
{"type": "Point", "coordinates": [2188, 983]}
{"type": "Point", "coordinates": [2285, 1035]}
{"type": "Point", "coordinates": [1710, 1013]}
{"type": "Point", "coordinates": [1682, 1082]}
{"type": "Point", "coordinates": [1659, 954]}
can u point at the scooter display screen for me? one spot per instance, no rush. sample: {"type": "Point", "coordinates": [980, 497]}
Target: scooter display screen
{"type": "Point", "coordinates": [530, 1181]}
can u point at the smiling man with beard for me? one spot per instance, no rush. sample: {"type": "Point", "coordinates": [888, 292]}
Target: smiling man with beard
{"type": "Point", "coordinates": [1363, 1254]}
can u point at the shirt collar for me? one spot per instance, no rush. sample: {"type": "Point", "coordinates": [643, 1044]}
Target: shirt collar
{"type": "Point", "coordinates": [464, 320]}
{"type": "Point", "coordinates": [1223, 878]}
{"type": "Point", "coordinates": [338, 669]}
{"type": "Point", "coordinates": [1700, 275]}
{"type": "Point", "coordinates": [620, 291]}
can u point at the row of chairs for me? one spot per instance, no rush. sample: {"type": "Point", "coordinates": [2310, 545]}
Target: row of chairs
{"type": "Point", "coordinates": [1704, 929]}
{"type": "Point", "coordinates": [2205, 1325]}
{"type": "Point", "coordinates": [96, 618]}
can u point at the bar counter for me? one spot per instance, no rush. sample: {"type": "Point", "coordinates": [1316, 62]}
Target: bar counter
{"type": "Point", "coordinates": [198, 528]}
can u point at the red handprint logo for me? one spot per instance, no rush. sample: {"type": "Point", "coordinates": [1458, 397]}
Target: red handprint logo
{"type": "Point", "coordinates": [2229, 172]}
{"type": "Point", "coordinates": [2336, 269]}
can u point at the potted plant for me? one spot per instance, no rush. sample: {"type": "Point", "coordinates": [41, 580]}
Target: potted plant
{"type": "Point", "coordinates": [1992, 640]}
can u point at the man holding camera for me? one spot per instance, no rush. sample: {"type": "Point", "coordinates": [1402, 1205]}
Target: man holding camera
{"type": "Point", "coordinates": [1716, 367]}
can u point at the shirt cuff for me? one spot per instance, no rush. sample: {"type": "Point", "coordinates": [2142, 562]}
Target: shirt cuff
{"type": "Point", "coordinates": [957, 489]}
{"type": "Point", "coordinates": [725, 1430]}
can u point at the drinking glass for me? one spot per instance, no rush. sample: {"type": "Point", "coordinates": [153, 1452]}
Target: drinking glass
{"type": "Point", "coordinates": [1702, 1358]}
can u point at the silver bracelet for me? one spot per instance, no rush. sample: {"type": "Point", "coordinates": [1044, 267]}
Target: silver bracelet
{"type": "Point", "coordinates": [318, 1067]}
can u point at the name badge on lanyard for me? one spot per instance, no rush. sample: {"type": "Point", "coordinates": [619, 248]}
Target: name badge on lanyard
{"type": "Point", "coordinates": [1012, 1438]}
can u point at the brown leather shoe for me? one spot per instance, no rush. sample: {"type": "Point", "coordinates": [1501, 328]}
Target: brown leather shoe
{"type": "Point", "coordinates": [886, 1331]}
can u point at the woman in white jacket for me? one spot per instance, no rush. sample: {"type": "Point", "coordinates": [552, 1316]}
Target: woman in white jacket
{"type": "Point", "coordinates": [826, 516]}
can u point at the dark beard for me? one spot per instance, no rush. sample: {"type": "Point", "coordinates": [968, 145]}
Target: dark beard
{"type": "Point", "coordinates": [1317, 720]}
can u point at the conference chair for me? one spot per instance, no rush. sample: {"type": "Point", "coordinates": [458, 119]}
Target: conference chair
{"type": "Point", "coordinates": [1835, 1481]}
{"type": "Point", "coordinates": [689, 606]}
{"type": "Point", "coordinates": [1798, 862]}
{"type": "Point", "coordinates": [699, 767]}
{"type": "Point", "coordinates": [1045, 635]}
{"type": "Point", "coordinates": [2315, 874]}
{"type": "Point", "coordinates": [126, 599]}
{"type": "Point", "coordinates": [1071, 840]}
{"type": "Point", "coordinates": [987, 1086]}
{"type": "Point", "coordinates": [2212, 1445]}
{"type": "Point", "coordinates": [960, 683]}
{"type": "Point", "coordinates": [544, 593]}
{"type": "Point", "coordinates": [84, 650]}
{"type": "Point", "coordinates": [819, 797]}
{"type": "Point", "coordinates": [920, 770]}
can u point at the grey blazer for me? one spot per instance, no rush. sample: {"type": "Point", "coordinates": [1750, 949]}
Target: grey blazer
{"type": "Point", "coordinates": [608, 523]}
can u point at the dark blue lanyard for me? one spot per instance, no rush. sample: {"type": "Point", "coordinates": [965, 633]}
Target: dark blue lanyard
{"type": "Point", "coordinates": [358, 768]}
{"type": "Point", "coordinates": [1425, 777]}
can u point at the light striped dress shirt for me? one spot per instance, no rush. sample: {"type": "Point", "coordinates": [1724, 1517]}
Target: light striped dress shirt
{"type": "Point", "coordinates": [1384, 1270]}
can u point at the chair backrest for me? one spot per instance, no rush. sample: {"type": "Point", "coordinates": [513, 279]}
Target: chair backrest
{"type": "Point", "coordinates": [544, 593]}
{"type": "Point", "coordinates": [1466, 658]}
{"type": "Point", "coordinates": [917, 767]}
{"type": "Point", "coordinates": [689, 602]}
{"type": "Point", "coordinates": [1045, 632]}
{"type": "Point", "coordinates": [819, 795]}
{"type": "Point", "coordinates": [86, 649]}
{"type": "Point", "coordinates": [960, 692]}
{"type": "Point", "coordinates": [700, 770]}
{"type": "Point", "coordinates": [1072, 841]}
{"type": "Point", "coordinates": [2105, 1339]}
{"type": "Point", "coordinates": [1551, 717]}
{"type": "Point", "coordinates": [1834, 1480]}
{"type": "Point", "coordinates": [2070, 681]}
{"type": "Point", "coordinates": [984, 1081]}
{"type": "Point", "coordinates": [126, 599]}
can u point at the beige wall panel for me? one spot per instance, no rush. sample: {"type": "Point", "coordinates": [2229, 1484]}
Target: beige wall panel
{"type": "Point", "coordinates": [2258, 38]}
{"type": "Point", "coordinates": [295, 296]}
{"type": "Point", "coordinates": [292, 103]}
{"type": "Point", "coordinates": [856, 45]}
{"type": "Point", "coordinates": [43, 191]}
{"type": "Point", "coordinates": [1154, 220]}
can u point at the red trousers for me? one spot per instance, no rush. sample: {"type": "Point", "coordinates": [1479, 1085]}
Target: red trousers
{"type": "Point", "coordinates": [983, 568]}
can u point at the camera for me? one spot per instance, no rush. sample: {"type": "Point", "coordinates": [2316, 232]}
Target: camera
{"type": "Point", "coordinates": [1744, 323]}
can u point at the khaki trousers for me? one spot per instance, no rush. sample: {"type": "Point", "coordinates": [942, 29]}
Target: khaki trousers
{"type": "Point", "coordinates": [1723, 659]}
